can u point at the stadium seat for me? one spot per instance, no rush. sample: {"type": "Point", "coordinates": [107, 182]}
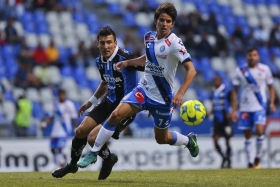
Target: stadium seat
{"type": "Point", "coordinates": [42, 29]}
{"type": "Point", "coordinates": [9, 95]}
{"type": "Point", "coordinates": [208, 105]}
{"type": "Point", "coordinates": [39, 17]}
{"type": "Point", "coordinates": [85, 94]}
{"type": "Point", "coordinates": [217, 63]}
{"type": "Point", "coordinates": [66, 71]}
{"type": "Point", "coordinates": [276, 51]}
{"type": "Point", "coordinates": [52, 17]}
{"type": "Point", "coordinates": [32, 94]}
{"type": "Point", "coordinates": [55, 75]}
{"type": "Point", "coordinates": [190, 95]}
{"type": "Point", "coordinates": [8, 51]}
{"type": "Point", "coordinates": [114, 9]}
{"type": "Point", "coordinates": [26, 17]}
{"type": "Point", "coordinates": [18, 92]}
{"type": "Point", "coordinates": [48, 107]}
{"type": "Point", "coordinates": [99, 1]}
{"type": "Point", "coordinates": [93, 84]}
{"type": "Point", "coordinates": [31, 40]}
{"type": "Point", "coordinates": [46, 95]}
{"type": "Point", "coordinates": [92, 73]}
{"type": "Point", "coordinates": [9, 110]}
{"type": "Point", "coordinates": [29, 27]}
{"type": "Point", "coordinates": [68, 83]}
{"type": "Point", "coordinates": [65, 17]}
{"type": "Point", "coordinates": [274, 10]}
{"type": "Point", "coordinates": [37, 110]}
{"type": "Point", "coordinates": [44, 39]}
{"type": "Point", "coordinates": [202, 94]}
{"type": "Point", "coordinates": [73, 94]}
{"type": "Point", "coordinates": [129, 19]}
{"type": "Point", "coordinates": [78, 17]}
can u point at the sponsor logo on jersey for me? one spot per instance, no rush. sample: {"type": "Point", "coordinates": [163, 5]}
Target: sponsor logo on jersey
{"type": "Point", "coordinates": [154, 70]}
{"type": "Point", "coordinates": [245, 116]}
{"type": "Point", "coordinates": [108, 78]}
{"type": "Point", "coordinates": [148, 45]}
{"type": "Point", "coordinates": [183, 51]}
{"type": "Point", "coordinates": [162, 114]}
{"type": "Point", "coordinates": [162, 48]}
{"type": "Point", "coordinates": [167, 41]}
{"type": "Point", "coordinates": [139, 96]}
{"type": "Point", "coordinates": [181, 43]}
{"type": "Point", "coordinates": [161, 56]}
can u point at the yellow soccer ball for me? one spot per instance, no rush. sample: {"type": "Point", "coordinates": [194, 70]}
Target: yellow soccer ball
{"type": "Point", "coordinates": [192, 112]}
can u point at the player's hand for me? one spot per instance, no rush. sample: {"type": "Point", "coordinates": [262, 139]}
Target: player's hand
{"type": "Point", "coordinates": [177, 100]}
{"type": "Point", "coordinates": [43, 125]}
{"type": "Point", "coordinates": [234, 116]}
{"type": "Point", "coordinates": [83, 108]}
{"type": "Point", "coordinates": [121, 65]}
{"type": "Point", "coordinates": [272, 108]}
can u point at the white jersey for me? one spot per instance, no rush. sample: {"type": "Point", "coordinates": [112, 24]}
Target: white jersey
{"type": "Point", "coordinates": [248, 100]}
{"type": "Point", "coordinates": [162, 57]}
{"type": "Point", "coordinates": [63, 114]}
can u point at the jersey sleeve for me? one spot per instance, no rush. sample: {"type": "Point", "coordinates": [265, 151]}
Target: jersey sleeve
{"type": "Point", "coordinates": [236, 78]}
{"type": "Point", "coordinates": [180, 51]}
{"type": "Point", "coordinates": [269, 77]}
{"type": "Point", "coordinates": [98, 65]}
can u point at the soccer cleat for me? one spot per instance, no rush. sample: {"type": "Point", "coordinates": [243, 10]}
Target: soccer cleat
{"type": "Point", "coordinates": [90, 158]}
{"type": "Point", "coordinates": [67, 168]}
{"type": "Point", "coordinates": [107, 166]}
{"type": "Point", "coordinates": [250, 165]}
{"type": "Point", "coordinates": [257, 164]}
{"type": "Point", "coordinates": [192, 145]}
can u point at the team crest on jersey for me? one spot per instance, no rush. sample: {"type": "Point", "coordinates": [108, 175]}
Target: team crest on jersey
{"type": "Point", "coordinates": [162, 48]}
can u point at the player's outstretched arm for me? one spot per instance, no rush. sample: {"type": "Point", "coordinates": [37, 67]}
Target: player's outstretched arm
{"type": "Point", "coordinates": [191, 72]}
{"type": "Point", "coordinates": [271, 98]}
{"type": "Point", "coordinates": [100, 91]}
{"type": "Point", "coordinates": [234, 103]}
{"type": "Point", "coordinates": [45, 123]}
{"type": "Point", "coordinates": [140, 61]}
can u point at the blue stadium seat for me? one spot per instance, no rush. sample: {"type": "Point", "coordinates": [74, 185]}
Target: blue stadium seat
{"type": "Point", "coordinates": [37, 110]}
{"type": "Point", "coordinates": [66, 71]}
{"type": "Point", "coordinates": [152, 4]}
{"type": "Point", "coordinates": [114, 8]}
{"type": "Point", "coordinates": [77, 105]}
{"type": "Point", "coordinates": [214, 8]}
{"type": "Point", "coordinates": [26, 17]}
{"type": "Point", "coordinates": [220, 19]}
{"type": "Point", "coordinates": [129, 19]}
{"type": "Point", "coordinates": [78, 17]}
{"type": "Point", "coordinates": [264, 53]}
{"type": "Point", "coordinates": [91, 18]}
{"type": "Point", "coordinates": [39, 17]}
{"type": "Point", "coordinates": [93, 84]}
{"type": "Point", "coordinates": [260, 2]}
{"type": "Point", "coordinates": [42, 29]}
{"type": "Point", "coordinates": [64, 54]}
{"type": "Point", "coordinates": [9, 95]}
{"type": "Point", "coordinates": [143, 30]}
{"type": "Point", "coordinates": [202, 94]}
{"type": "Point", "coordinates": [248, 1]}
{"type": "Point", "coordinates": [8, 51]}
{"type": "Point", "coordinates": [187, 1]}
{"type": "Point", "coordinates": [272, 2]}
{"type": "Point", "coordinates": [11, 68]}
{"type": "Point", "coordinates": [276, 51]}
{"type": "Point", "coordinates": [241, 61]}
{"type": "Point", "coordinates": [241, 20]}
{"type": "Point", "coordinates": [29, 27]}
{"type": "Point", "coordinates": [225, 10]}
{"type": "Point", "coordinates": [208, 75]}
{"type": "Point", "coordinates": [93, 28]}
{"type": "Point", "coordinates": [203, 8]}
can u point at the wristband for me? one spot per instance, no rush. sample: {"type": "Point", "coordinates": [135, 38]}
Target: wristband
{"type": "Point", "coordinates": [44, 124]}
{"type": "Point", "coordinates": [93, 99]}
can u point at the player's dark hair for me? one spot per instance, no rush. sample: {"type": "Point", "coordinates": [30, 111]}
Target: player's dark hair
{"type": "Point", "coordinates": [61, 91]}
{"type": "Point", "coordinates": [249, 50]}
{"type": "Point", "coordinates": [106, 31]}
{"type": "Point", "coordinates": [168, 9]}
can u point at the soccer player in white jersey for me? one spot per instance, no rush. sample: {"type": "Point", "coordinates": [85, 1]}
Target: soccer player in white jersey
{"type": "Point", "coordinates": [164, 50]}
{"type": "Point", "coordinates": [64, 113]}
{"type": "Point", "coordinates": [253, 78]}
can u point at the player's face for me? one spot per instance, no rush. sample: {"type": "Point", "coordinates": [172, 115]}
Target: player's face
{"type": "Point", "coordinates": [62, 97]}
{"type": "Point", "coordinates": [253, 57]}
{"type": "Point", "coordinates": [217, 81]}
{"type": "Point", "coordinates": [164, 24]}
{"type": "Point", "coordinates": [106, 45]}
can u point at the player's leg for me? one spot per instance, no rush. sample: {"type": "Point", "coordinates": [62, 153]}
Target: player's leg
{"type": "Point", "coordinates": [228, 151]}
{"type": "Point", "coordinates": [218, 148]}
{"type": "Point", "coordinates": [246, 125]}
{"type": "Point", "coordinates": [58, 156]}
{"type": "Point", "coordinates": [98, 114]}
{"type": "Point", "coordinates": [260, 121]}
{"type": "Point", "coordinates": [162, 118]}
{"type": "Point", "coordinates": [107, 130]}
{"type": "Point", "coordinates": [109, 159]}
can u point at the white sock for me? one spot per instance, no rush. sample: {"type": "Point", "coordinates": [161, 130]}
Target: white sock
{"type": "Point", "coordinates": [105, 133]}
{"type": "Point", "coordinates": [178, 139]}
{"type": "Point", "coordinates": [259, 146]}
{"type": "Point", "coordinates": [249, 150]}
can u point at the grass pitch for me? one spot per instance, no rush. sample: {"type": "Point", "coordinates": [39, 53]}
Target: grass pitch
{"type": "Point", "coordinates": [186, 178]}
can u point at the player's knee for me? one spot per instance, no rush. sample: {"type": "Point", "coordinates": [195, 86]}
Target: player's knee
{"type": "Point", "coordinates": [116, 116]}
{"type": "Point", "coordinates": [162, 140]}
{"type": "Point", "coordinates": [80, 133]}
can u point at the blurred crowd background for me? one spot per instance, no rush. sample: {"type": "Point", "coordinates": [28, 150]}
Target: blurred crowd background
{"type": "Point", "coordinates": [51, 44]}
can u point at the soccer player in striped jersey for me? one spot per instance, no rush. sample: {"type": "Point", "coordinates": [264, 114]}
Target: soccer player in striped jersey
{"type": "Point", "coordinates": [220, 97]}
{"type": "Point", "coordinates": [253, 78]}
{"type": "Point", "coordinates": [114, 85]}
{"type": "Point", "coordinates": [155, 90]}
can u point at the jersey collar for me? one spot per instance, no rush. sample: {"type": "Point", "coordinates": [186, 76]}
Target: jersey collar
{"type": "Point", "coordinates": [112, 56]}
{"type": "Point", "coordinates": [221, 87]}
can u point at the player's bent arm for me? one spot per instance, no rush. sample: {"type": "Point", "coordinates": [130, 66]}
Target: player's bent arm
{"type": "Point", "coordinates": [45, 123]}
{"type": "Point", "coordinates": [191, 72]}
{"type": "Point", "coordinates": [100, 91]}
{"type": "Point", "coordinates": [234, 98]}
{"type": "Point", "coordinates": [271, 95]}
{"type": "Point", "coordinates": [140, 61]}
